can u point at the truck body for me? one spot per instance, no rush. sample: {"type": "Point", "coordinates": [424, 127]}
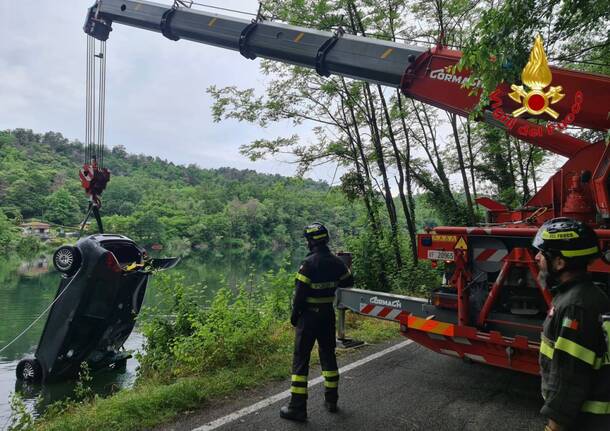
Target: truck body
{"type": "Point", "coordinates": [491, 307]}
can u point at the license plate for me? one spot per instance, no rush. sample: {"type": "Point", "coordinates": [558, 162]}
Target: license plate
{"type": "Point", "coordinates": [440, 255]}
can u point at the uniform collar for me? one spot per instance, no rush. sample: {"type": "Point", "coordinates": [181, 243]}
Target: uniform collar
{"type": "Point", "coordinates": [319, 249]}
{"type": "Point", "coordinates": [566, 285]}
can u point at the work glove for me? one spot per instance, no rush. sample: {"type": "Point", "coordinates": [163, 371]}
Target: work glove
{"type": "Point", "coordinates": [294, 317]}
{"type": "Point", "coordinates": [553, 426]}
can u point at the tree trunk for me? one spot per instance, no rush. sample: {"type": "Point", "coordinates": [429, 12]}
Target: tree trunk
{"type": "Point", "coordinates": [471, 157]}
{"type": "Point", "coordinates": [522, 171]}
{"type": "Point", "coordinates": [401, 175]}
{"type": "Point", "coordinates": [376, 138]}
{"type": "Point", "coordinates": [458, 147]}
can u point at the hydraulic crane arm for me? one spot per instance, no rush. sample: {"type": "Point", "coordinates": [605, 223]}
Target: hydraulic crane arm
{"type": "Point", "coordinates": [421, 73]}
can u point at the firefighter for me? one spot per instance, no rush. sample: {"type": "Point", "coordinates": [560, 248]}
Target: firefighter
{"type": "Point", "coordinates": [313, 316]}
{"type": "Point", "coordinates": [574, 361]}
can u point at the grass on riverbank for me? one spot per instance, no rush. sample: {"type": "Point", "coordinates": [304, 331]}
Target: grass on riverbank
{"type": "Point", "coordinates": [153, 402]}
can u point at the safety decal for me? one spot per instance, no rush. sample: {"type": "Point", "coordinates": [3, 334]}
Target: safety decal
{"type": "Point", "coordinates": [388, 313]}
{"type": "Point", "coordinates": [490, 254]}
{"type": "Point", "coordinates": [461, 244]}
{"type": "Point", "coordinates": [429, 325]}
{"type": "Point", "coordinates": [445, 238]}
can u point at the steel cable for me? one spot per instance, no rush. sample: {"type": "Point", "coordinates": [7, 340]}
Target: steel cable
{"type": "Point", "coordinates": [39, 317]}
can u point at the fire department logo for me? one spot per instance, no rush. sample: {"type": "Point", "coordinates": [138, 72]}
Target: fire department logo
{"type": "Point", "coordinates": [535, 96]}
{"type": "Point", "coordinates": [537, 76]}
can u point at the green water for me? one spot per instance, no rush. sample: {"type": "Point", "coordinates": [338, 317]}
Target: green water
{"type": "Point", "coordinates": [27, 287]}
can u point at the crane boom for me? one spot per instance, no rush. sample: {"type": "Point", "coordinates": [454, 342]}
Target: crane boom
{"type": "Point", "coordinates": [419, 72]}
{"type": "Point", "coordinates": [351, 56]}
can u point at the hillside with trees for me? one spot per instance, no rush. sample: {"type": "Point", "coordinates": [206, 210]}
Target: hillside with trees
{"type": "Point", "coordinates": [155, 201]}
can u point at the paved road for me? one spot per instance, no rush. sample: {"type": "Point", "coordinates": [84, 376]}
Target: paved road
{"type": "Point", "coordinates": [410, 388]}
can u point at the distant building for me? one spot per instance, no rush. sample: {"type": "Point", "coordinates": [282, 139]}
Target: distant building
{"type": "Point", "coordinates": [39, 229]}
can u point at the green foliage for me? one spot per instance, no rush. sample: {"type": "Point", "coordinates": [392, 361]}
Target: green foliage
{"type": "Point", "coordinates": [82, 390]}
{"type": "Point", "coordinates": [575, 34]}
{"type": "Point", "coordinates": [221, 212]}
{"type": "Point", "coordinates": [28, 245]}
{"type": "Point", "coordinates": [62, 208]}
{"type": "Point", "coordinates": [21, 418]}
{"type": "Point", "coordinates": [226, 333]}
{"type": "Point", "coordinates": [8, 233]}
{"type": "Point", "coordinates": [370, 257]}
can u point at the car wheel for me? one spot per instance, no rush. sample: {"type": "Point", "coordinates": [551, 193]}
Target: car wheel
{"type": "Point", "coordinates": [29, 370]}
{"type": "Point", "coordinates": [66, 259]}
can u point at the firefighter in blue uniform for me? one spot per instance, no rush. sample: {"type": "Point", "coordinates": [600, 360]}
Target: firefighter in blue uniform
{"type": "Point", "coordinates": [574, 361]}
{"type": "Point", "coordinates": [313, 316]}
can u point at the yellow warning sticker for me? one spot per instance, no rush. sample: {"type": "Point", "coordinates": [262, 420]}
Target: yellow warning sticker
{"type": "Point", "coordinates": [445, 238]}
{"type": "Point", "coordinates": [461, 244]}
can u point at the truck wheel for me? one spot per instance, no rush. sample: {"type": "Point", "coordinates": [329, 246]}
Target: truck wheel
{"type": "Point", "coordinates": [29, 370]}
{"type": "Point", "coordinates": [66, 259]}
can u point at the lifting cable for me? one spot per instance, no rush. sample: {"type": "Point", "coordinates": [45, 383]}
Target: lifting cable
{"type": "Point", "coordinates": [94, 176]}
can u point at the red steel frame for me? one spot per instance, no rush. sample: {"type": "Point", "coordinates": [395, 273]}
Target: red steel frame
{"type": "Point", "coordinates": [567, 193]}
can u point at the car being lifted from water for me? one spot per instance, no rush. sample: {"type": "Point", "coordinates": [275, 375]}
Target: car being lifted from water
{"type": "Point", "coordinates": [104, 278]}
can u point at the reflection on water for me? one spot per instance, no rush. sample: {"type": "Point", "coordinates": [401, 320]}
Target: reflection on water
{"type": "Point", "coordinates": [27, 288]}
{"type": "Point", "coordinates": [35, 267]}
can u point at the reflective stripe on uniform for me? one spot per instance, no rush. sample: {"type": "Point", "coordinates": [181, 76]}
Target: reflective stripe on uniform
{"type": "Point", "coordinates": [546, 349]}
{"type": "Point", "coordinates": [302, 278]}
{"type": "Point", "coordinates": [331, 379]}
{"type": "Point", "coordinates": [346, 275]}
{"type": "Point", "coordinates": [299, 384]}
{"type": "Point", "coordinates": [322, 300]}
{"type": "Point", "coordinates": [576, 350]}
{"type": "Point", "coordinates": [582, 252]}
{"type": "Point", "coordinates": [322, 235]}
{"type": "Point", "coordinates": [596, 407]}
{"type": "Point", "coordinates": [325, 285]}
{"type": "Point", "coordinates": [601, 362]}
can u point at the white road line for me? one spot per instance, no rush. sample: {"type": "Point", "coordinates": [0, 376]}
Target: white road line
{"type": "Point", "coordinates": [278, 397]}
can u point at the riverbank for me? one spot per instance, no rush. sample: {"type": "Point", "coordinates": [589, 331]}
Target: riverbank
{"type": "Point", "coordinates": [155, 401]}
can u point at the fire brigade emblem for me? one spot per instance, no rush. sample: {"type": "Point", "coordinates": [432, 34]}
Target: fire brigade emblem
{"type": "Point", "coordinates": [537, 76]}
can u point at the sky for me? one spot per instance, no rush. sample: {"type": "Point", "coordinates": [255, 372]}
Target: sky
{"type": "Point", "coordinates": [156, 101]}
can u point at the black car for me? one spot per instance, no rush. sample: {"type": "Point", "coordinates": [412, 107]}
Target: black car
{"type": "Point", "coordinates": [104, 278]}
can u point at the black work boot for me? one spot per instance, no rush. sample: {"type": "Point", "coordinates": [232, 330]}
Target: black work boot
{"type": "Point", "coordinates": [331, 407]}
{"type": "Point", "coordinates": [293, 414]}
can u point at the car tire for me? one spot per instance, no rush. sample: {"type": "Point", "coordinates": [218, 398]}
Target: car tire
{"type": "Point", "coordinates": [66, 259]}
{"type": "Point", "coordinates": [29, 370]}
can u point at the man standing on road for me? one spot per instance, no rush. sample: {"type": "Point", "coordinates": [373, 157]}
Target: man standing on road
{"type": "Point", "coordinates": [574, 361]}
{"type": "Point", "coordinates": [313, 316]}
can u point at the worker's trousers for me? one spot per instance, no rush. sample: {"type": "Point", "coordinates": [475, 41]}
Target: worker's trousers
{"type": "Point", "coordinates": [316, 323]}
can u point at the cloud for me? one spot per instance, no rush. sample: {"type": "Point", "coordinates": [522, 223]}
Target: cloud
{"type": "Point", "coordinates": [156, 88]}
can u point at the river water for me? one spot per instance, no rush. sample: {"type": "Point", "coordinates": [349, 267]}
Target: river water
{"type": "Point", "coordinates": [28, 287]}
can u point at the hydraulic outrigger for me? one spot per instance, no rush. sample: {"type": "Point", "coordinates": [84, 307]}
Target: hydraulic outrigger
{"type": "Point", "coordinates": [491, 307]}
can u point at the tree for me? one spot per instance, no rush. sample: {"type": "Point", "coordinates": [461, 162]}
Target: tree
{"type": "Point", "coordinates": [62, 208]}
{"type": "Point", "coordinates": [7, 233]}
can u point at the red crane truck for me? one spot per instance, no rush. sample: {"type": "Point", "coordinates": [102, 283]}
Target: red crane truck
{"type": "Point", "coordinates": [491, 308]}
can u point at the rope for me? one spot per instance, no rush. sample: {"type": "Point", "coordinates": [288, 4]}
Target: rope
{"type": "Point", "coordinates": [38, 318]}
